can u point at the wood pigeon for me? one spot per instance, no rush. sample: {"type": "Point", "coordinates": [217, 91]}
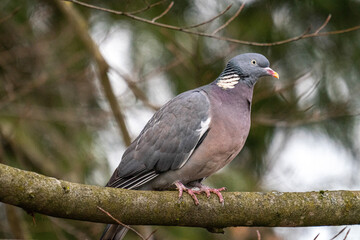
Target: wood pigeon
{"type": "Point", "coordinates": [193, 135]}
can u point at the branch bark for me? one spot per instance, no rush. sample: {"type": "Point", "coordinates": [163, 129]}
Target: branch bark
{"type": "Point", "coordinates": [53, 197]}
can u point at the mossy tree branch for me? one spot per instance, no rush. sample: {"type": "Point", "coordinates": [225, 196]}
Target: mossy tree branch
{"type": "Point", "coordinates": [53, 197]}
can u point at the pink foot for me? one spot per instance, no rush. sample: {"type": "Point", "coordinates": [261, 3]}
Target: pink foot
{"type": "Point", "coordinates": [182, 188]}
{"type": "Point", "coordinates": [202, 188]}
{"type": "Point", "coordinates": [209, 190]}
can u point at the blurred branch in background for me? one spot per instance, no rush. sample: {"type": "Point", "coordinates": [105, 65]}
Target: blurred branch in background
{"type": "Point", "coordinates": [78, 23]}
{"type": "Point", "coordinates": [315, 117]}
{"type": "Point", "coordinates": [139, 94]}
{"type": "Point", "coordinates": [185, 29]}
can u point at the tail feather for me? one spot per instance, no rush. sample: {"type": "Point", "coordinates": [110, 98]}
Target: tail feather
{"type": "Point", "coordinates": [114, 232]}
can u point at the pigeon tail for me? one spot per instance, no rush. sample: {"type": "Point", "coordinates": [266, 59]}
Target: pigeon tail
{"type": "Point", "coordinates": [114, 232]}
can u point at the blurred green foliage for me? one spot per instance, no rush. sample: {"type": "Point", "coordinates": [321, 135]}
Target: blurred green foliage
{"type": "Point", "coordinates": [52, 111]}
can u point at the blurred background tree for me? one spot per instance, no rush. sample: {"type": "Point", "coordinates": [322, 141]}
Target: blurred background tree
{"type": "Point", "coordinates": [55, 118]}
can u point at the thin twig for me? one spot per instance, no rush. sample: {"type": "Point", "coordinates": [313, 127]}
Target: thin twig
{"type": "Point", "coordinates": [338, 233]}
{"type": "Point", "coordinates": [347, 233]}
{"type": "Point", "coordinates": [266, 94]}
{"type": "Point", "coordinates": [293, 39]}
{"type": "Point", "coordinates": [122, 224]}
{"type": "Point", "coordinates": [230, 20]}
{"type": "Point", "coordinates": [314, 118]}
{"type": "Point", "coordinates": [153, 232]}
{"type": "Point", "coordinates": [147, 7]}
{"type": "Point", "coordinates": [210, 20]}
{"type": "Point", "coordinates": [136, 90]}
{"type": "Point", "coordinates": [323, 25]}
{"type": "Point", "coordinates": [307, 93]}
{"type": "Point", "coordinates": [163, 13]}
{"type": "Point", "coordinates": [305, 35]}
{"type": "Point", "coordinates": [161, 69]}
{"type": "Point", "coordinates": [336, 31]}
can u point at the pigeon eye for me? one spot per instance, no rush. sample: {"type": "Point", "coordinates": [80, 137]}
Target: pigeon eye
{"type": "Point", "coordinates": [253, 62]}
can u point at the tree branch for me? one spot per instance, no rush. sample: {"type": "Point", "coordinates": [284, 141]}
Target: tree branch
{"type": "Point", "coordinates": [53, 197]}
{"type": "Point", "coordinates": [148, 7]}
{"type": "Point", "coordinates": [230, 20]}
{"type": "Point", "coordinates": [305, 35]}
{"type": "Point", "coordinates": [312, 118]}
{"type": "Point", "coordinates": [324, 24]}
{"type": "Point", "coordinates": [120, 223]}
{"type": "Point", "coordinates": [136, 90]}
{"type": "Point", "coordinates": [103, 67]}
{"type": "Point", "coordinates": [209, 20]}
{"type": "Point", "coordinates": [163, 13]}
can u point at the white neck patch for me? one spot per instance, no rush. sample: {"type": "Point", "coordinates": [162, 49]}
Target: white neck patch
{"type": "Point", "coordinates": [228, 81]}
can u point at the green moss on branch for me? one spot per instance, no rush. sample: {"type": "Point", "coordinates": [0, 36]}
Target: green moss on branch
{"type": "Point", "coordinates": [53, 197]}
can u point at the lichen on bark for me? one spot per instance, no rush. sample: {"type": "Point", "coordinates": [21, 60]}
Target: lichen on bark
{"type": "Point", "coordinates": [53, 197]}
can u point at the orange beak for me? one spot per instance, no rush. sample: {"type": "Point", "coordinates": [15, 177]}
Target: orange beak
{"type": "Point", "coordinates": [272, 72]}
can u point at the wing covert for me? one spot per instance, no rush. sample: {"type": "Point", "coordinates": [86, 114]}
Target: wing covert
{"type": "Point", "coordinates": [167, 140]}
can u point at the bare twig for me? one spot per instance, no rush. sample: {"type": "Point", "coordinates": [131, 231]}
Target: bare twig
{"type": "Point", "coordinates": [293, 39]}
{"type": "Point", "coordinates": [230, 20]}
{"type": "Point", "coordinates": [335, 32]}
{"type": "Point", "coordinates": [147, 7]}
{"type": "Point", "coordinates": [314, 118]}
{"type": "Point", "coordinates": [317, 236]}
{"type": "Point", "coordinates": [347, 234]}
{"type": "Point", "coordinates": [136, 90]}
{"type": "Point", "coordinates": [266, 94]}
{"type": "Point", "coordinates": [210, 20]}
{"type": "Point", "coordinates": [153, 232]}
{"type": "Point", "coordinates": [163, 13]}
{"type": "Point", "coordinates": [323, 25]}
{"type": "Point", "coordinates": [305, 35]}
{"type": "Point", "coordinates": [307, 93]}
{"type": "Point", "coordinates": [338, 233]}
{"type": "Point", "coordinates": [122, 224]}
{"type": "Point", "coordinates": [161, 69]}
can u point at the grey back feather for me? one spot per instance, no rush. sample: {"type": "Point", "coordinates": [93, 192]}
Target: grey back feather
{"type": "Point", "coordinates": [166, 142]}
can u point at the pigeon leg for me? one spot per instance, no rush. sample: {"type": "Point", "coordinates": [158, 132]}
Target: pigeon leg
{"type": "Point", "coordinates": [207, 190]}
{"type": "Point", "coordinates": [181, 187]}
{"type": "Point", "coordinates": [202, 189]}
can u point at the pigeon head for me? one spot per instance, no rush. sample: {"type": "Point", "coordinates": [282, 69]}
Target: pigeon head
{"type": "Point", "coordinates": [247, 68]}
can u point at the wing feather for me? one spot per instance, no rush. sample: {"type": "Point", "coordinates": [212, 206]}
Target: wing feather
{"type": "Point", "coordinates": [166, 142]}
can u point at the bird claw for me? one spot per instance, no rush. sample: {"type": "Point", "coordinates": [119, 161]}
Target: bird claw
{"type": "Point", "coordinates": [202, 189]}
{"type": "Point", "coordinates": [209, 190]}
{"type": "Point", "coordinates": [182, 188]}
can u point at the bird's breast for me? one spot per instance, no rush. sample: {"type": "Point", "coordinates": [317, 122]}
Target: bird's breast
{"type": "Point", "coordinates": [229, 129]}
